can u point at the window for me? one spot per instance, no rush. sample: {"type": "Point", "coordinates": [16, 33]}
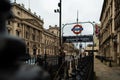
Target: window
{"type": "Point", "coordinates": [21, 24]}
{"type": "Point", "coordinates": [9, 31]}
{"type": "Point", "coordinates": [52, 31]}
{"type": "Point", "coordinates": [39, 51]}
{"type": "Point", "coordinates": [18, 24]}
{"type": "Point", "coordinates": [27, 51]}
{"type": "Point", "coordinates": [8, 22]}
{"type": "Point", "coordinates": [33, 37]}
{"type": "Point", "coordinates": [17, 33]}
{"type": "Point", "coordinates": [33, 30]}
{"type": "Point", "coordinates": [27, 35]}
{"type": "Point", "coordinates": [38, 38]}
{"type": "Point", "coordinates": [34, 51]}
{"type": "Point", "coordinates": [18, 13]}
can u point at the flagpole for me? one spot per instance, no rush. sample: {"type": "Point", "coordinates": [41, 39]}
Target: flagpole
{"type": "Point", "coordinates": [80, 46]}
{"type": "Point", "coordinates": [77, 23]}
{"type": "Point", "coordinates": [77, 16]}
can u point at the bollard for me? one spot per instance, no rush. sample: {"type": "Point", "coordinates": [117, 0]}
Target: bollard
{"type": "Point", "coordinates": [101, 58]}
{"type": "Point", "coordinates": [110, 65]}
{"type": "Point", "coordinates": [110, 62]}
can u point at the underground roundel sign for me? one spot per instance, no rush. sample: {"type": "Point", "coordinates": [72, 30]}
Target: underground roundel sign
{"type": "Point", "coordinates": [77, 29]}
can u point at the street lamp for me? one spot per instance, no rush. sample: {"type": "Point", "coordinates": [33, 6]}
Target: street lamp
{"type": "Point", "coordinates": [61, 57]}
{"type": "Point", "coordinates": [60, 18]}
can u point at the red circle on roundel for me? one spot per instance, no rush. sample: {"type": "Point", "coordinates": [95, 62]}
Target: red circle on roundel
{"type": "Point", "coordinates": [77, 29]}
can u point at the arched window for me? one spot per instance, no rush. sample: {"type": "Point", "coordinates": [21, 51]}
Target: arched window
{"type": "Point", "coordinates": [34, 49]}
{"type": "Point", "coordinates": [9, 31]}
{"type": "Point", "coordinates": [17, 33]}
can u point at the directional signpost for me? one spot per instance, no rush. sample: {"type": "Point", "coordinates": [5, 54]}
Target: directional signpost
{"type": "Point", "coordinates": [81, 38]}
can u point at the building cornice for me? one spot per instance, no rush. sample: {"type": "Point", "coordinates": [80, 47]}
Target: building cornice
{"type": "Point", "coordinates": [28, 11]}
{"type": "Point", "coordinates": [46, 32]}
{"type": "Point", "coordinates": [103, 8]}
{"type": "Point", "coordinates": [33, 22]}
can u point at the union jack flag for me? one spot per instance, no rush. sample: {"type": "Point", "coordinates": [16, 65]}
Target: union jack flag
{"type": "Point", "coordinates": [97, 30]}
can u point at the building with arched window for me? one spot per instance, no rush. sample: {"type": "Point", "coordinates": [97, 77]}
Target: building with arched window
{"type": "Point", "coordinates": [29, 27]}
{"type": "Point", "coordinates": [107, 30]}
{"type": "Point", "coordinates": [110, 30]}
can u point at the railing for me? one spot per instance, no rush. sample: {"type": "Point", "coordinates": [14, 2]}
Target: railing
{"type": "Point", "coordinates": [60, 71]}
{"type": "Point", "coordinates": [84, 70]}
{"type": "Point", "coordinates": [80, 71]}
{"type": "Point", "coordinates": [50, 63]}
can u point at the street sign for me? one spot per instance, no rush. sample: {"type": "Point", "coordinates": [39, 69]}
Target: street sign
{"type": "Point", "coordinates": [77, 29]}
{"type": "Point", "coordinates": [81, 38]}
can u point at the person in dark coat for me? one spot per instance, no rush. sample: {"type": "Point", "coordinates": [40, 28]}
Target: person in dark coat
{"type": "Point", "coordinates": [12, 52]}
{"type": "Point", "coordinates": [39, 60]}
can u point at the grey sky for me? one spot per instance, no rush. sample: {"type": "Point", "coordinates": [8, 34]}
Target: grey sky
{"type": "Point", "coordinates": [89, 10]}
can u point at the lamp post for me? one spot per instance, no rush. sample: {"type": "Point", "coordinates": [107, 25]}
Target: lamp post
{"type": "Point", "coordinates": [60, 18]}
{"type": "Point", "coordinates": [60, 58]}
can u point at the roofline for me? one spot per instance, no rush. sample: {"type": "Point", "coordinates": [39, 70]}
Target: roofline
{"type": "Point", "coordinates": [48, 32]}
{"type": "Point", "coordinates": [26, 10]}
{"type": "Point", "coordinates": [102, 9]}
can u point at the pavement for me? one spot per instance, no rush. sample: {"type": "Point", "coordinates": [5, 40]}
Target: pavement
{"type": "Point", "coordinates": [104, 72]}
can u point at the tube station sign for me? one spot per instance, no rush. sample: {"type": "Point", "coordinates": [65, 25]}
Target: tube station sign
{"type": "Point", "coordinates": [77, 29]}
{"type": "Point", "coordinates": [80, 38]}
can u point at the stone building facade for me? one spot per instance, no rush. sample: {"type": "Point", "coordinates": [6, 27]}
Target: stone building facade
{"type": "Point", "coordinates": [69, 49]}
{"type": "Point", "coordinates": [29, 27]}
{"type": "Point", "coordinates": [110, 30]}
{"type": "Point", "coordinates": [50, 40]}
{"type": "Point", "coordinates": [22, 26]}
{"type": "Point", "coordinates": [107, 33]}
{"type": "Point", "coordinates": [117, 30]}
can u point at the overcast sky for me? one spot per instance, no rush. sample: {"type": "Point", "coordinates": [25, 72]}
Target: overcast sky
{"type": "Point", "coordinates": [89, 10]}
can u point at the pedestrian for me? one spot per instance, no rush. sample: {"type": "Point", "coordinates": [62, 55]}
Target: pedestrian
{"type": "Point", "coordinates": [39, 60]}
